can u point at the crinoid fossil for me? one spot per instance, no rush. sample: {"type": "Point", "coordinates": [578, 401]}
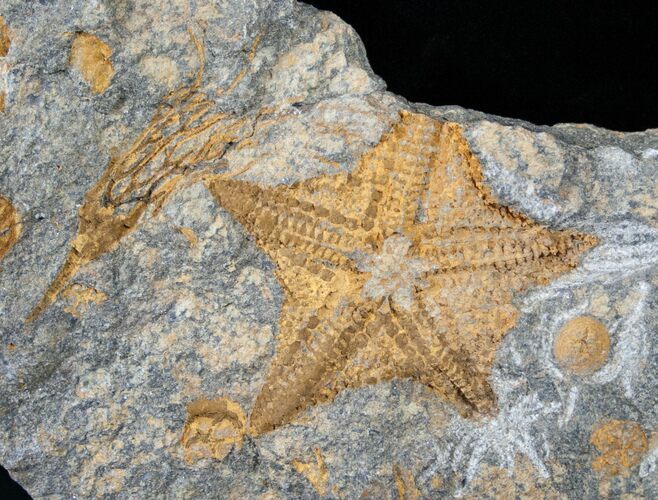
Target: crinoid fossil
{"type": "Point", "coordinates": [185, 140]}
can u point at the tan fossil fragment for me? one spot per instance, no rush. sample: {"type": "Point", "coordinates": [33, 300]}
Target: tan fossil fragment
{"type": "Point", "coordinates": [582, 345]}
{"type": "Point", "coordinates": [212, 429]}
{"type": "Point", "coordinates": [621, 444]}
{"type": "Point", "coordinates": [91, 57]}
{"type": "Point", "coordinates": [5, 40]}
{"type": "Point", "coordinates": [10, 226]}
{"type": "Point", "coordinates": [315, 471]}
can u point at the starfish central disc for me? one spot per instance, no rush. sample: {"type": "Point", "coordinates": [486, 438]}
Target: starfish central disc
{"type": "Point", "coordinates": [394, 274]}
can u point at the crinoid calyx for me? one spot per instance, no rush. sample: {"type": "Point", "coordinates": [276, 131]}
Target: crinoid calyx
{"type": "Point", "coordinates": [185, 140]}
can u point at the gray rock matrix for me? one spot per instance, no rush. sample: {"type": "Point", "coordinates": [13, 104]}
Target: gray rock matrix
{"type": "Point", "coordinates": [93, 393]}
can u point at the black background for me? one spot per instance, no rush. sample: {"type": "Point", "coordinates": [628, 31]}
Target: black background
{"type": "Point", "coordinates": [10, 489]}
{"type": "Point", "coordinates": [540, 60]}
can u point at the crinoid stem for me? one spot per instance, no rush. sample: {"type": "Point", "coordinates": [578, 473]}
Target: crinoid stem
{"type": "Point", "coordinates": [66, 273]}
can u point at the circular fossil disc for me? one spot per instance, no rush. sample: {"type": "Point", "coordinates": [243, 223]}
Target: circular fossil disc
{"type": "Point", "coordinates": [10, 228]}
{"type": "Point", "coordinates": [212, 429]}
{"type": "Point", "coordinates": [582, 345]}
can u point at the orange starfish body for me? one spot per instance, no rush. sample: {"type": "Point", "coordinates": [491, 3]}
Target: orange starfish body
{"type": "Point", "coordinates": [404, 268]}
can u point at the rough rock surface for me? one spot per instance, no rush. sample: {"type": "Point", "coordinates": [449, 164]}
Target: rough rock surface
{"type": "Point", "coordinates": [138, 378]}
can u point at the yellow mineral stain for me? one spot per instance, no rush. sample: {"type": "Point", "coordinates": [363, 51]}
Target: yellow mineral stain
{"type": "Point", "coordinates": [621, 444]}
{"type": "Point", "coordinates": [315, 472]}
{"type": "Point", "coordinates": [91, 57]}
{"type": "Point", "coordinates": [80, 297]}
{"type": "Point", "coordinates": [5, 40]}
{"type": "Point", "coordinates": [212, 429]}
{"type": "Point", "coordinates": [437, 482]}
{"type": "Point", "coordinates": [189, 235]}
{"type": "Point", "coordinates": [10, 227]}
{"type": "Point", "coordinates": [582, 346]}
{"type": "Point", "coordinates": [405, 484]}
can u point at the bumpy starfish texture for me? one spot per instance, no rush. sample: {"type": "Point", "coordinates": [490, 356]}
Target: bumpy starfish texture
{"type": "Point", "coordinates": [404, 268]}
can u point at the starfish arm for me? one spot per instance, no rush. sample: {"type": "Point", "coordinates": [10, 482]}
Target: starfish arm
{"type": "Point", "coordinates": [397, 350]}
{"type": "Point", "coordinates": [456, 195]}
{"type": "Point", "coordinates": [508, 248]}
{"type": "Point", "coordinates": [378, 360]}
{"type": "Point", "coordinates": [441, 361]}
{"type": "Point", "coordinates": [405, 162]}
{"type": "Point", "coordinates": [283, 217]}
{"type": "Point", "coordinates": [472, 312]}
{"type": "Point", "coordinates": [302, 371]}
{"type": "Point", "coordinates": [397, 170]}
{"type": "Point", "coordinates": [472, 299]}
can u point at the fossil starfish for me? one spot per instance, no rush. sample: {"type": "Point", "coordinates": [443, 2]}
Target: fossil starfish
{"type": "Point", "coordinates": [404, 268]}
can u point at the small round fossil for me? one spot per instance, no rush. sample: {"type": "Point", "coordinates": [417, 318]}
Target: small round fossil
{"type": "Point", "coordinates": [622, 444]}
{"type": "Point", "coordinates": [582, 345]}
{"type": "Point", "coordinates": [212, 429]}
{"type": "Point", "coordinates": [10, 228]}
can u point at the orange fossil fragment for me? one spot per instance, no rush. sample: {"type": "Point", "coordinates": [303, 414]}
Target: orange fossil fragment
{"type": "Point", "coordinates": [622, 444]}
{"type": "Point", "coordinates": [5, 41]}
{"type": "Point", "coordinates": [10, 227]}
{"type": "Point", "coordinates": [315, 471]}
{"type": "Point", "coordinates": [80, 296]}
{"type": "Point", "coordinates": [91, 57]}
{"type": "Point", "coordinates": [213, 427]}
{"type": "Point", "coordinates": [405, 484]}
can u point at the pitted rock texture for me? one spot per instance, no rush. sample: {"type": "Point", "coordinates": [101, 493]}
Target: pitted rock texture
{"type": "Point", "coordinates": [233, 265]}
